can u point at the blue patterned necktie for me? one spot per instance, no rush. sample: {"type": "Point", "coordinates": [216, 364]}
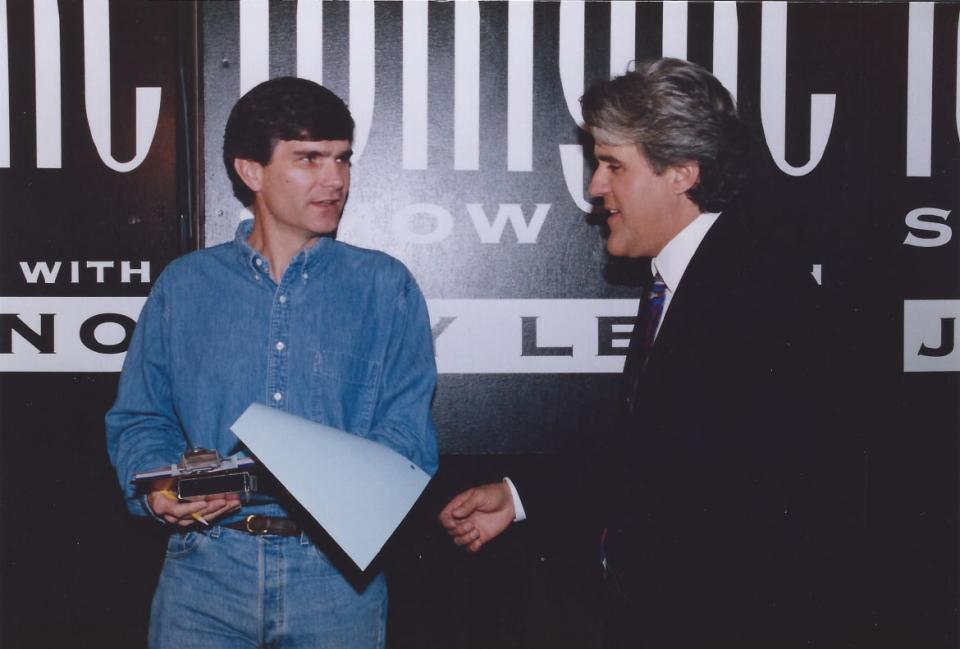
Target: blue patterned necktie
{"type": "Point", "coordinates": [648, 318]}
{"type": "Point", "coordinates": [652, 311]}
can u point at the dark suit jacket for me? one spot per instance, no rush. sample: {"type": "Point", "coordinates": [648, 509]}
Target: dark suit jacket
{"type": "Point", "coordinates": [729, 494]}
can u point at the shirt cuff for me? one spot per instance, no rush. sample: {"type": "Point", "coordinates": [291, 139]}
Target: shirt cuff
{"type": "Point", "coordinates": [519, 514]}
{"type": "Point", "coordinates": [145, 499]}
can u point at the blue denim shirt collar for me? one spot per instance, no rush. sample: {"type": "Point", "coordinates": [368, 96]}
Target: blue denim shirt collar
{"type": "Point", "coordinates": [308, 260]}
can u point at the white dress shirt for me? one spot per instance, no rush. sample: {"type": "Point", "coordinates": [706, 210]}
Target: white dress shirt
{"type": "Point", "coordinates": [673, 260]}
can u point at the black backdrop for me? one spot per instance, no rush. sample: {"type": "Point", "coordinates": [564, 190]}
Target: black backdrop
{"type": "Point", "coordinates": [483, 90]}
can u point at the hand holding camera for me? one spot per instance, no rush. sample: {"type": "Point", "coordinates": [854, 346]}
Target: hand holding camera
{"type": "Point", "coordinates": [199, 489]}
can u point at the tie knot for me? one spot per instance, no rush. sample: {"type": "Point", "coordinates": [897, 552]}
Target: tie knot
{"type": "Point", "coordinates": [659, 287]}
{"type": "Point", "coordinates": [651, 311]}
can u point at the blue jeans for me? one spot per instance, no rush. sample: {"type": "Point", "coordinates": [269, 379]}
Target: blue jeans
{"type": "Point", "coordinates": [226, 589]}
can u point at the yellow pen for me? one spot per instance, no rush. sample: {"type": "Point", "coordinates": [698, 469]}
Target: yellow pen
{"type": "Point", "coordinates": [172, 496]}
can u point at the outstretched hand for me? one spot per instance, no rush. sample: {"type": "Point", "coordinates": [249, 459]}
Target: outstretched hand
{"type": "Point", "coordinates": [478, 515]}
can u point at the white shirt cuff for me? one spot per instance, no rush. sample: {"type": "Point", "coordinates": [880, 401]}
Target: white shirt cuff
{"type": "Point", "coordinates": [518, 513]}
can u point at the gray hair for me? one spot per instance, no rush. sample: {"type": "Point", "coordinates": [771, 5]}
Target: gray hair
{"type": "Point", "coordinates": [676, 112]}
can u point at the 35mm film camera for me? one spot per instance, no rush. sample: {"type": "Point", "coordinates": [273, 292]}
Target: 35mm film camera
{"type": "Point", "coordinates": [202, 472]}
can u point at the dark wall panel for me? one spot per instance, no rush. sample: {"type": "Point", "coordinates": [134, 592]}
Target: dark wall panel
{"type": "Point", "coordinates": [75, 569]}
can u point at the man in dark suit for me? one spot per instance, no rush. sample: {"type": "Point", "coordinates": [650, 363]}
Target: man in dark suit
{"type": "Point", "coordinates": [727, 498]}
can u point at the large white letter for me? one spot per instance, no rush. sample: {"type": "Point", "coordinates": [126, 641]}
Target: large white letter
{"type": "Point", "coordinates": [571, 56]}
{"type": "Point", "coordinates": [773, 95]}
{"type": "Point", "coordinates": [310, 40]}
{"type": "Point", "coordinates": [919, 88]}
{"type": "Point", "coordinates": [254, 43]}
{"type": "Point", "coordinates": [623, 36]}
{"type": "Point", "coordinates": [415, 30]}
{"type": "Point", "coordinates": [571, 80]}
{"type": "Point", "coordinates": [915, 221]}
{"type": "Point", "coordinates": [520, 86]}
{"type": "Point", "coordinates": [675, 29]}
{"type": "Point", "coordinates": [96, 77]}
{"type": "Point", "coordinates": [362, 62]}
{"type": "Point", "coordinates": [4, 91]}
{"type": "Point", "coordinates": [466, 85]}
{"type": "Point", "coordinates": [422, 223]}
{"type": "Point", "coordinates": [513, 212]}
{"type": "Point", "coordinates": [46, 47]}
{"type": "Point", "coordinates": [32, 275]}
{"type": "Point", "coordinates": [725, 44]}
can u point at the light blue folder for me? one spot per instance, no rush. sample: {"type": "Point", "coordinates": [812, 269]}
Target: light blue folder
{"type": "Point", "coordinates": [357, 489]}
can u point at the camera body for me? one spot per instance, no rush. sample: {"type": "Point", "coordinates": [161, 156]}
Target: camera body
{"type": "Point", "coordinates": [202, 472]}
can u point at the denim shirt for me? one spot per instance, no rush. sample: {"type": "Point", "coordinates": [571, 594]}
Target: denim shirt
{"type": "Point", "coordinates": [344, 339]}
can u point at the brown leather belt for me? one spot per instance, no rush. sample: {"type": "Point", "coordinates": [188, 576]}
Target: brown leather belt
{"type": "Point", "coordinates": [266, 525]}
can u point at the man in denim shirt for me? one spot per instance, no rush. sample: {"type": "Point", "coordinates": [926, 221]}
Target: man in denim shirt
{"type": "Point", "coordinates": [287, 316]}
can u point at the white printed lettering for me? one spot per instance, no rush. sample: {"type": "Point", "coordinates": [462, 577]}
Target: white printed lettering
{"type": "Point", "coordinates": [310, 40]}
{"type": "Point", "coordinates": [127, 271]}
{"type": "Point", "coordinates": [422, 223]}
{"type": "Point", "coordinates": [773, 95]}
{"type": "Point", "coordinates": [725, 39]}
{"type": "Point", "coordinates": [915, 220]}
{"type": "Point", "coordinates": [46, 47]}
{"type": "Point", "coordinates": [362, 78]}
{"type": "Point", "coordinates": [96, 48]}
{"type": "Point", "coordinates": [466, 86]}
{"type": "Point", "coordinates": [674, 29]}
{"type": "Point", "coordinates": [4, 90]}
{"type": "Point", "coordinates": [512, 212]}
{"type": "Point", "coordinates": [919, 88]}
{"type": "Point", "coordinates": [32, 275]}
{"type": "Point", "coordinates": [254, 43]}
{"type": "Point", "coordinates": [100, 267]}
{"type": "Point", "coordinates": [520, 87]}
{"type": "Point", "coordinates": [415, 115]}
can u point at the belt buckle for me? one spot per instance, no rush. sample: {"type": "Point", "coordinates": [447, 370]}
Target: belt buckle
{"type": "Point", "coordinates": [248, 520]}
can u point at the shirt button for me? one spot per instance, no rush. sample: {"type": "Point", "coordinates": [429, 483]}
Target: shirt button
{"type": "Point", "coordinates": [283, 299]}
{"type": "Point", "coordinates": [258, 261]}
{"type": "Point", "coordinates": [304, 276]}
{"type": "Point", "coordinates": [277, 396]}
{"type": "Point", "coordinates": [280, 345]}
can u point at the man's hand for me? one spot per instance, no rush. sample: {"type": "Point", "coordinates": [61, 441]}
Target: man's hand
{"type": "Point", "coordinates": [176, 512]}
{"type": "Point", "coordinates": [478, 515]}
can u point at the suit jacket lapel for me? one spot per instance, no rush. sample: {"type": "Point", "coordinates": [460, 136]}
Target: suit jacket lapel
{"type": "Point", "coordinates": [701, 292]}
{"type": "Point", "coordinates": [636, 357]}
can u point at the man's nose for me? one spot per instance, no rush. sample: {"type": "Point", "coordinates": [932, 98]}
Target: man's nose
{"type": "Point", "coordinates": [598, 184]}
{"type": "Point", "coordinates": [330, 176]}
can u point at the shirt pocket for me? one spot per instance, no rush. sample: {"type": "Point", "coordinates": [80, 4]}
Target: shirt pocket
{"type": "Point", "coordinates": [344, 390]}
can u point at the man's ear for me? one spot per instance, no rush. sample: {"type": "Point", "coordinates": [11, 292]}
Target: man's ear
{"type": "Point", "coordinates": [685, 176]}
{"type": "Point", "coordinates": [250, 171]}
